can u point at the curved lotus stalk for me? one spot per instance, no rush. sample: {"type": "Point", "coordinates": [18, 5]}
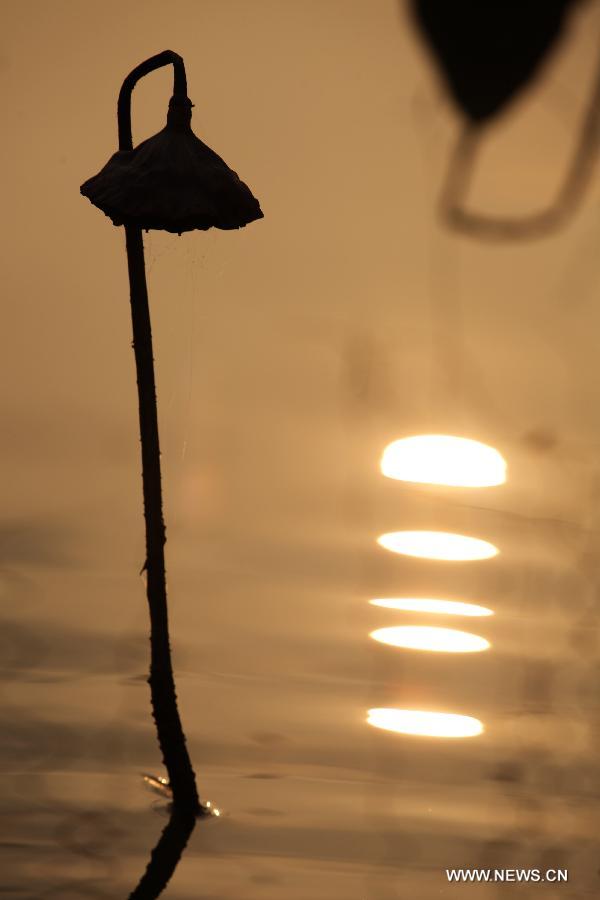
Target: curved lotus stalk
{"type": "Point", "coordinates": [171, 182]}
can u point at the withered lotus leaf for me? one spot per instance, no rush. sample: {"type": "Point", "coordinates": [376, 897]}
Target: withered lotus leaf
{"type": "Point", "coordinates": [172, 182]}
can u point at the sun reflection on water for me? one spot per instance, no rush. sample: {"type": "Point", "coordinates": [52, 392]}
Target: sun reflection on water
{"type": "Point", "coordinates": [422, 722]}
{"type": "Point", "coordinates": [443, 459]}
{"type": "Point", "coordinates": [437, 545]}
{"type": "Point", "coordinates": [425, 637]}
{"type": "Point", "coordinates": [428, 605]}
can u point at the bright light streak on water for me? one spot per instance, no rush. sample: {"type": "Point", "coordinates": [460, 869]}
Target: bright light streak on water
{"type": "Point", "coordinates": [424, 637]}
{"type": "Point", "coordinates": [437, 545]}
{"type": "Point", "coordinates": [429, 724]}
{"type": "Point", "coordinates": [427, 605]}
{"type": "Point", "coordinates": [443, 459]}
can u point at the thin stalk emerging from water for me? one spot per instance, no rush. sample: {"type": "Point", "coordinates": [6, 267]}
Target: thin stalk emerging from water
{"type": "Point", "coordinates": [162, 685]}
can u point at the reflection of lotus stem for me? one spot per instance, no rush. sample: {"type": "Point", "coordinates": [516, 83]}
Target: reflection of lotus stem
{"type": "Point", "coordinates": [162, 685]}
{"type": "Point", "coordinates": [164, 859]}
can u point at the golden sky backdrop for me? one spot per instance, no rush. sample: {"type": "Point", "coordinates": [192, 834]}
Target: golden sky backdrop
{"type": "Point", "coordinates": [288, 355]}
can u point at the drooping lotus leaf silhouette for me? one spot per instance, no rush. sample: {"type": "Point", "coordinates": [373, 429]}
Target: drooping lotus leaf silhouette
{"type": "Point", "coordinates": [172, 182]}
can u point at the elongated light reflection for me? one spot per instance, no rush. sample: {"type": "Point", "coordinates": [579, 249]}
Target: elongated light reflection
{"type": "Point", "coordinates": [429, 724]}
{"type": "Point", "coordinates": [428, 605]}
{"type": "Point", "coordinates": [424, 637]}
{"type": "Point", "coordinates": [437, 545]}
{"type": "Point", "coordinates": [443, 459]}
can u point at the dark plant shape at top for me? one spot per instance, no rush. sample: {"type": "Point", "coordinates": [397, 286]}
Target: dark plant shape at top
{"type": "Point", "coordinates": [171, 181]}
{"type": "Point", "coordinates": [489, 50]}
